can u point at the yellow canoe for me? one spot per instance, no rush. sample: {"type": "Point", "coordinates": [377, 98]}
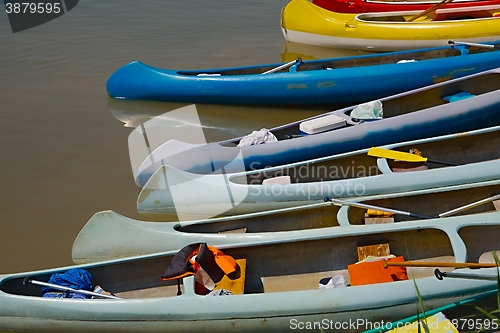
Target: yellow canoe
{"type": "Point", "coordinates": [304, 22]}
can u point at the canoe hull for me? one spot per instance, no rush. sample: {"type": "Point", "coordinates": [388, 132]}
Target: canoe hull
{"type": "Point", "coordinates": [370, 44]}
{"type": "Point", "coordinates": [268, 197]}
{"type": "Point", "coordinates": [304, 22]}
{"type": "Point", "coordinates": [351, 174]}
{"type": "Point", "coordinates": [329, 88]}
{"type": "Point", "coordinates": [267, 304]}
{"type": "Point", "coordinates": [349, 321]}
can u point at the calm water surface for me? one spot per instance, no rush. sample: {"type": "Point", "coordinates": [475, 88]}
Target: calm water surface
{"type": "Point", "coordinates": [63, 144]}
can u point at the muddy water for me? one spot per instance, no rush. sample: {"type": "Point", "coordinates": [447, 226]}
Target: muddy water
{"type": "Point", "coordinates": [63, 143]}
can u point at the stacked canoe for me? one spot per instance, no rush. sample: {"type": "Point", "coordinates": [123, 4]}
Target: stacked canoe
{"type": "Point", "coordinates": [329, 83]}
{"type": "Point", "coordinates": [304, 22]}
{"type": "Point", "coordinates": [375, 196]}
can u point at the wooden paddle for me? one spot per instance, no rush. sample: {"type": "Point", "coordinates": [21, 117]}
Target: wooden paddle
{"type": "Point", "coordinates": [402, 156]}
{"type": "Point", "coordinates": [430, 10]}
{"type": "Point", "coordinates": [389, 210]}
{"type": "Point", "coordinates": [401, 212]}
{"type": "Point", "coordinates": [386, 264]}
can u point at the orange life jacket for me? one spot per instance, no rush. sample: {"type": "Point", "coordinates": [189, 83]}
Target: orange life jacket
{"type": "Point", "coordinates": [193, 256]}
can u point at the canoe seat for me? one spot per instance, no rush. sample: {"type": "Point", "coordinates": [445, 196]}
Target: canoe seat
{"type": "Point", "coordinates": [236, 280]}
{"type": "Point", "coordinates": [496, 204]}
{"type": "Point", "coordinates": [488, 257]}
{"type": "Point", "coordinates": [322, 124]}
{"type": "Point", "coordinates": [283, 180]}
{"type": "Point", "coordinates": [458, 96]}
{"type": "Point", "coordinates": [294, 67]}
{"type": "Point", "coordinates": [375, 250]}
{"type": "Point", "coordinates": [234, 231]}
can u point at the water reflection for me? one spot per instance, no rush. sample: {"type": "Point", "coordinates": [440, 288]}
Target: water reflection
{"type": "Point", "coordinates": [292, 51]}
{"type": "Point", "coordinates": [219, 122]}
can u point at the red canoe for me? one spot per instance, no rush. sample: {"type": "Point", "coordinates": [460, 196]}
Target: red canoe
{"type": "Point", "coordinates": [365, 6]}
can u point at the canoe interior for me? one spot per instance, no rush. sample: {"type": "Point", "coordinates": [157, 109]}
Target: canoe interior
{"type": "Point", "coordinates": [283, 266]}
{"type": "Point", "coordinates": [350, 167]}
{"type": "Point", "coordinates": [473, 13]}
{"type": "Point", "coordinates": [428, 98]}
{"type": "Point", "coordinates": [434, 203]}
{"type": "Point", "coordinates": [318, 217]}
{"type": "Point", "coordinates": [326, 216]}
{"type": "Point", "coordinates": [461, 149]}
{"type": "Point", "coordinates": [345, 62]}
{"type": "Point", "coordinates": [403, 104]}
{"type": "Point", "coordinates": [474, 236]}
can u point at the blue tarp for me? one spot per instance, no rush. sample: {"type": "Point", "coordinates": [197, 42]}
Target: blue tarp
{"type": "Point", "coordinates": [75, 278]}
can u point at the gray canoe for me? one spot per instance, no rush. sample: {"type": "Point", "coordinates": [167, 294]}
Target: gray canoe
{"type": "Point", "coordinates": [280, 285]}
{"type": "Point", "coordinates": [352, 174]}
{"type": "Point", "coordinates": [109, 235]}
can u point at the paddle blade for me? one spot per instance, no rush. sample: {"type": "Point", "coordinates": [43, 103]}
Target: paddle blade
{"type": "Point", "coordinates": [395, 155]}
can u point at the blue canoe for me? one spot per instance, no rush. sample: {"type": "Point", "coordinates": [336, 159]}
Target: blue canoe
{"type": "Point", "coordinates": [421, 113]}
{"type": "Point", "coordinates": [327, 82]}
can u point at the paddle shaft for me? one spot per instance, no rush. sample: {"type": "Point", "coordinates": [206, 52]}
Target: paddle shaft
{"type": "Point", "coordinates": [489, 46]}
{"type": "Point", "coordinates": [288, 64]}
{"type": "Point", "coordinates": [440, 275]}
{"type": "Point", "coordinates": [68, 289]}
{"type": "Point", "coordinates": [389, 210]}
{"type": "Point", "coordinates": [441, 162]}
{"type": "Point", "coordinates": [386, 264]}
{"type": "Point", "coordinates": [469, 206]}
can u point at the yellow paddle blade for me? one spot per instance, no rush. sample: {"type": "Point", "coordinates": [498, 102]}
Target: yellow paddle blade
{"type": "Point", "coordinates": [395, 155]}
